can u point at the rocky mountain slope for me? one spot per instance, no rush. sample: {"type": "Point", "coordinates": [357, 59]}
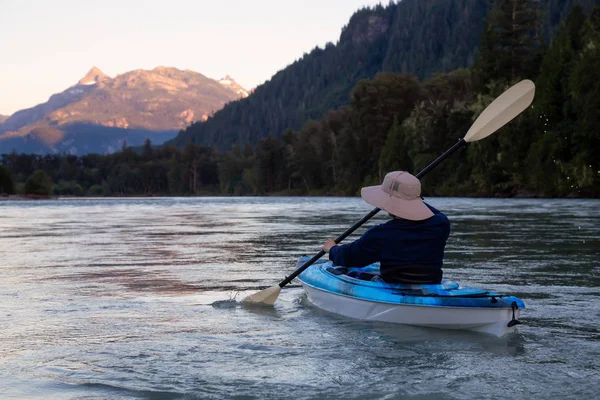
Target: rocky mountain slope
{"type": "Point", "coordinates": [157, 101]}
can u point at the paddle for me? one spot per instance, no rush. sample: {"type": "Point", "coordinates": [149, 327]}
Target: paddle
{"type": "Point", "coordinates": [502, 110]}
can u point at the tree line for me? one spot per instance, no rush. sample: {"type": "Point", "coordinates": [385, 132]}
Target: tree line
{"type": "Point", "coordinates": [393, 121]}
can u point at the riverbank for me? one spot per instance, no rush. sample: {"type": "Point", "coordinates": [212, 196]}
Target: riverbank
{"type": "Point", "coordinates": [522, 195]}
{"type": "Point", "coordinates": [20, 197]}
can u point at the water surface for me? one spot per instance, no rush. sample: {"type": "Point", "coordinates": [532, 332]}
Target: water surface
{"type": "Point", "coordinates": [113, 299]}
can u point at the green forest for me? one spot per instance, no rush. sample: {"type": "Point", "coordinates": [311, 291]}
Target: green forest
{"type": "Point", "coordinates": [422, 37]}
{"type": "Point", "coordinates": [392, 121]}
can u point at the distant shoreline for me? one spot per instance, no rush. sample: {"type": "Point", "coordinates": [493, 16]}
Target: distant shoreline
{"type": "Point", "coordinates": [16, 197]}
{"type": "Point", "coordinates": [9, 197]}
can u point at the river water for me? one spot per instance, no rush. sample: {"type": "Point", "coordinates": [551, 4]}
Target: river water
{"type": "Point", "coordinates": [115, 299]}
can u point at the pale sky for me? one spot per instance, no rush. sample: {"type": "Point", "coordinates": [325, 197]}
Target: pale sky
{"type": "Point", "coordinates": [48, 45]}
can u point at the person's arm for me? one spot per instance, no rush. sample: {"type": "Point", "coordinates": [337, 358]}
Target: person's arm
{"type": "Point", "coordinates": [359, 253]}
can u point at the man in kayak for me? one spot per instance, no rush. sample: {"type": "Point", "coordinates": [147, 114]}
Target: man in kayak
{"type": "Point", "coordinates": [410, 247]}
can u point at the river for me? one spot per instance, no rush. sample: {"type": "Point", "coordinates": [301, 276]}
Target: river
{"type": "Point", "coordinates": [121, 299]}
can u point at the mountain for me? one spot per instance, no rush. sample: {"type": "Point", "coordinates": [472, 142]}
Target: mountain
{"type": "Point", "coordinates": [422, 37]}
{"type": "Point", "coordinates": [2, 119]}
{"type": "Point", "coordinates": [232, 85]}
{"type": "Point", "coordinates": [93, 76]}
{"type": "Point", "coordinates": [79, 139]}
{"type": "Point", "coordinates": [158, 102]}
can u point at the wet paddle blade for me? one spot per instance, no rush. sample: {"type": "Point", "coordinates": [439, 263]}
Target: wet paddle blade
{"type": "Point", "coordinates": [267, 296]}
{"type": "Point", "coordinates": [502, 110]}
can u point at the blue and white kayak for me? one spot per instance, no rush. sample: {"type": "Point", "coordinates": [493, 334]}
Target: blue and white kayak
{"type": "Point", "coordinates": [446, 305]}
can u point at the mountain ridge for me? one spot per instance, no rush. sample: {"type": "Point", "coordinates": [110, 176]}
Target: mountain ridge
{"type": "Point", "coordinates": [323, 79]}
{"type": "Point", "coordinates": [421, 37]}
{"type": "Point", "coordinates": [162, 99]}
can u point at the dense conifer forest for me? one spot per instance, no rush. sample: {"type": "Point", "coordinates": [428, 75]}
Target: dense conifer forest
{"type": "Point", "coordinates": [422, 37]}
{"type": "Point", "coordinates": [391, 120]}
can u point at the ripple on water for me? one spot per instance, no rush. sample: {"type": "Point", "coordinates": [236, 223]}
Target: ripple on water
{"type": "Point", "coordinates": [99, 300]}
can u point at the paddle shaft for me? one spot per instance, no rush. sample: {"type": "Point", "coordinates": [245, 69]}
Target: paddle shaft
{"type": "Point", "coordinates": [370, 215]}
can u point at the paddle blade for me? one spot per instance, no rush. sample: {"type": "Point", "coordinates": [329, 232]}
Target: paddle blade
{"type": "Point", "coordinates": [502, 110]}
{"type": "Point", "coordinates": [267, 296]}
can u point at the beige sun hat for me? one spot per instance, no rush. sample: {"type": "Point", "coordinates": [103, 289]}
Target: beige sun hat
{"type": "Point", "coordinates": [399, 195]}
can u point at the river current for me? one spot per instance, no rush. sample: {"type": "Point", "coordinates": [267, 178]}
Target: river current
{"type": "Point", "coordinates": [123, 299]}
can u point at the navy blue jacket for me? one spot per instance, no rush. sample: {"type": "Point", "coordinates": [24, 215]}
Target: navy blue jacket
{"type": "Point", "coordinates": [398, 242]}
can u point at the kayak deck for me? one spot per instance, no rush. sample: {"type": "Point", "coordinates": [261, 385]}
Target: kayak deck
{"type": "Point", "coordinates": [445, 294]}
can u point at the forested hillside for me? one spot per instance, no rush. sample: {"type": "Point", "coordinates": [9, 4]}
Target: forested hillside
{"type": "Point", "coordinates": [392, 121]}
{"type": "Point", "coordinates": [422, 37]}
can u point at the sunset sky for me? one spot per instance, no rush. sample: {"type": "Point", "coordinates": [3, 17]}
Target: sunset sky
{"type": "Point", "coordinates": [47, 46]}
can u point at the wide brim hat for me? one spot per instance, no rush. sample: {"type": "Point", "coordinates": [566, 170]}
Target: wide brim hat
{"type": "Point", "coordinates": [399, 195]}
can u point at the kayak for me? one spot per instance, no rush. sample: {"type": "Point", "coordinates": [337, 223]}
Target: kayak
{"type": "Point", "coordinates": [446, 305]}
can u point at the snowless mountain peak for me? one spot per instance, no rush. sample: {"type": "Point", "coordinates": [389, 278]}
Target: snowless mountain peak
{"type": "Point", "coordinates": [232, 85]}
{"type": "Point", "coordinates": [93, 76]}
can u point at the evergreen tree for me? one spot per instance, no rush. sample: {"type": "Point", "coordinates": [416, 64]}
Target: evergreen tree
{"type": "Point", "coordinates": [7, 182]}
{"type": "Point", "coordinates": [510, 44]}
{"type": "Point", "coordinates": [585, 86]}
{"type": "Point", "coordinates": [147, 151]}
{"type": "Point", "coordinates": [39, 183]}
{"type": "Point", "coordinates": [394, 156]}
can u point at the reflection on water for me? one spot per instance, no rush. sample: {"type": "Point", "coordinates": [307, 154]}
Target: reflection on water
{"type": "Point", "coordinates": [135, 298]}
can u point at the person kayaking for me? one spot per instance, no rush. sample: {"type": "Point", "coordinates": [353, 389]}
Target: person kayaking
{"type": "Point", "coordinates": [409, 247]}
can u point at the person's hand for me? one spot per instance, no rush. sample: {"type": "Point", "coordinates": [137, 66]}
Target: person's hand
{"type": "Point", "coordinates": [329, 243]}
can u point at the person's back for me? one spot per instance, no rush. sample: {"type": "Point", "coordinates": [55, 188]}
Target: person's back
{"type": "Point", "coordinates": [410, 247]}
